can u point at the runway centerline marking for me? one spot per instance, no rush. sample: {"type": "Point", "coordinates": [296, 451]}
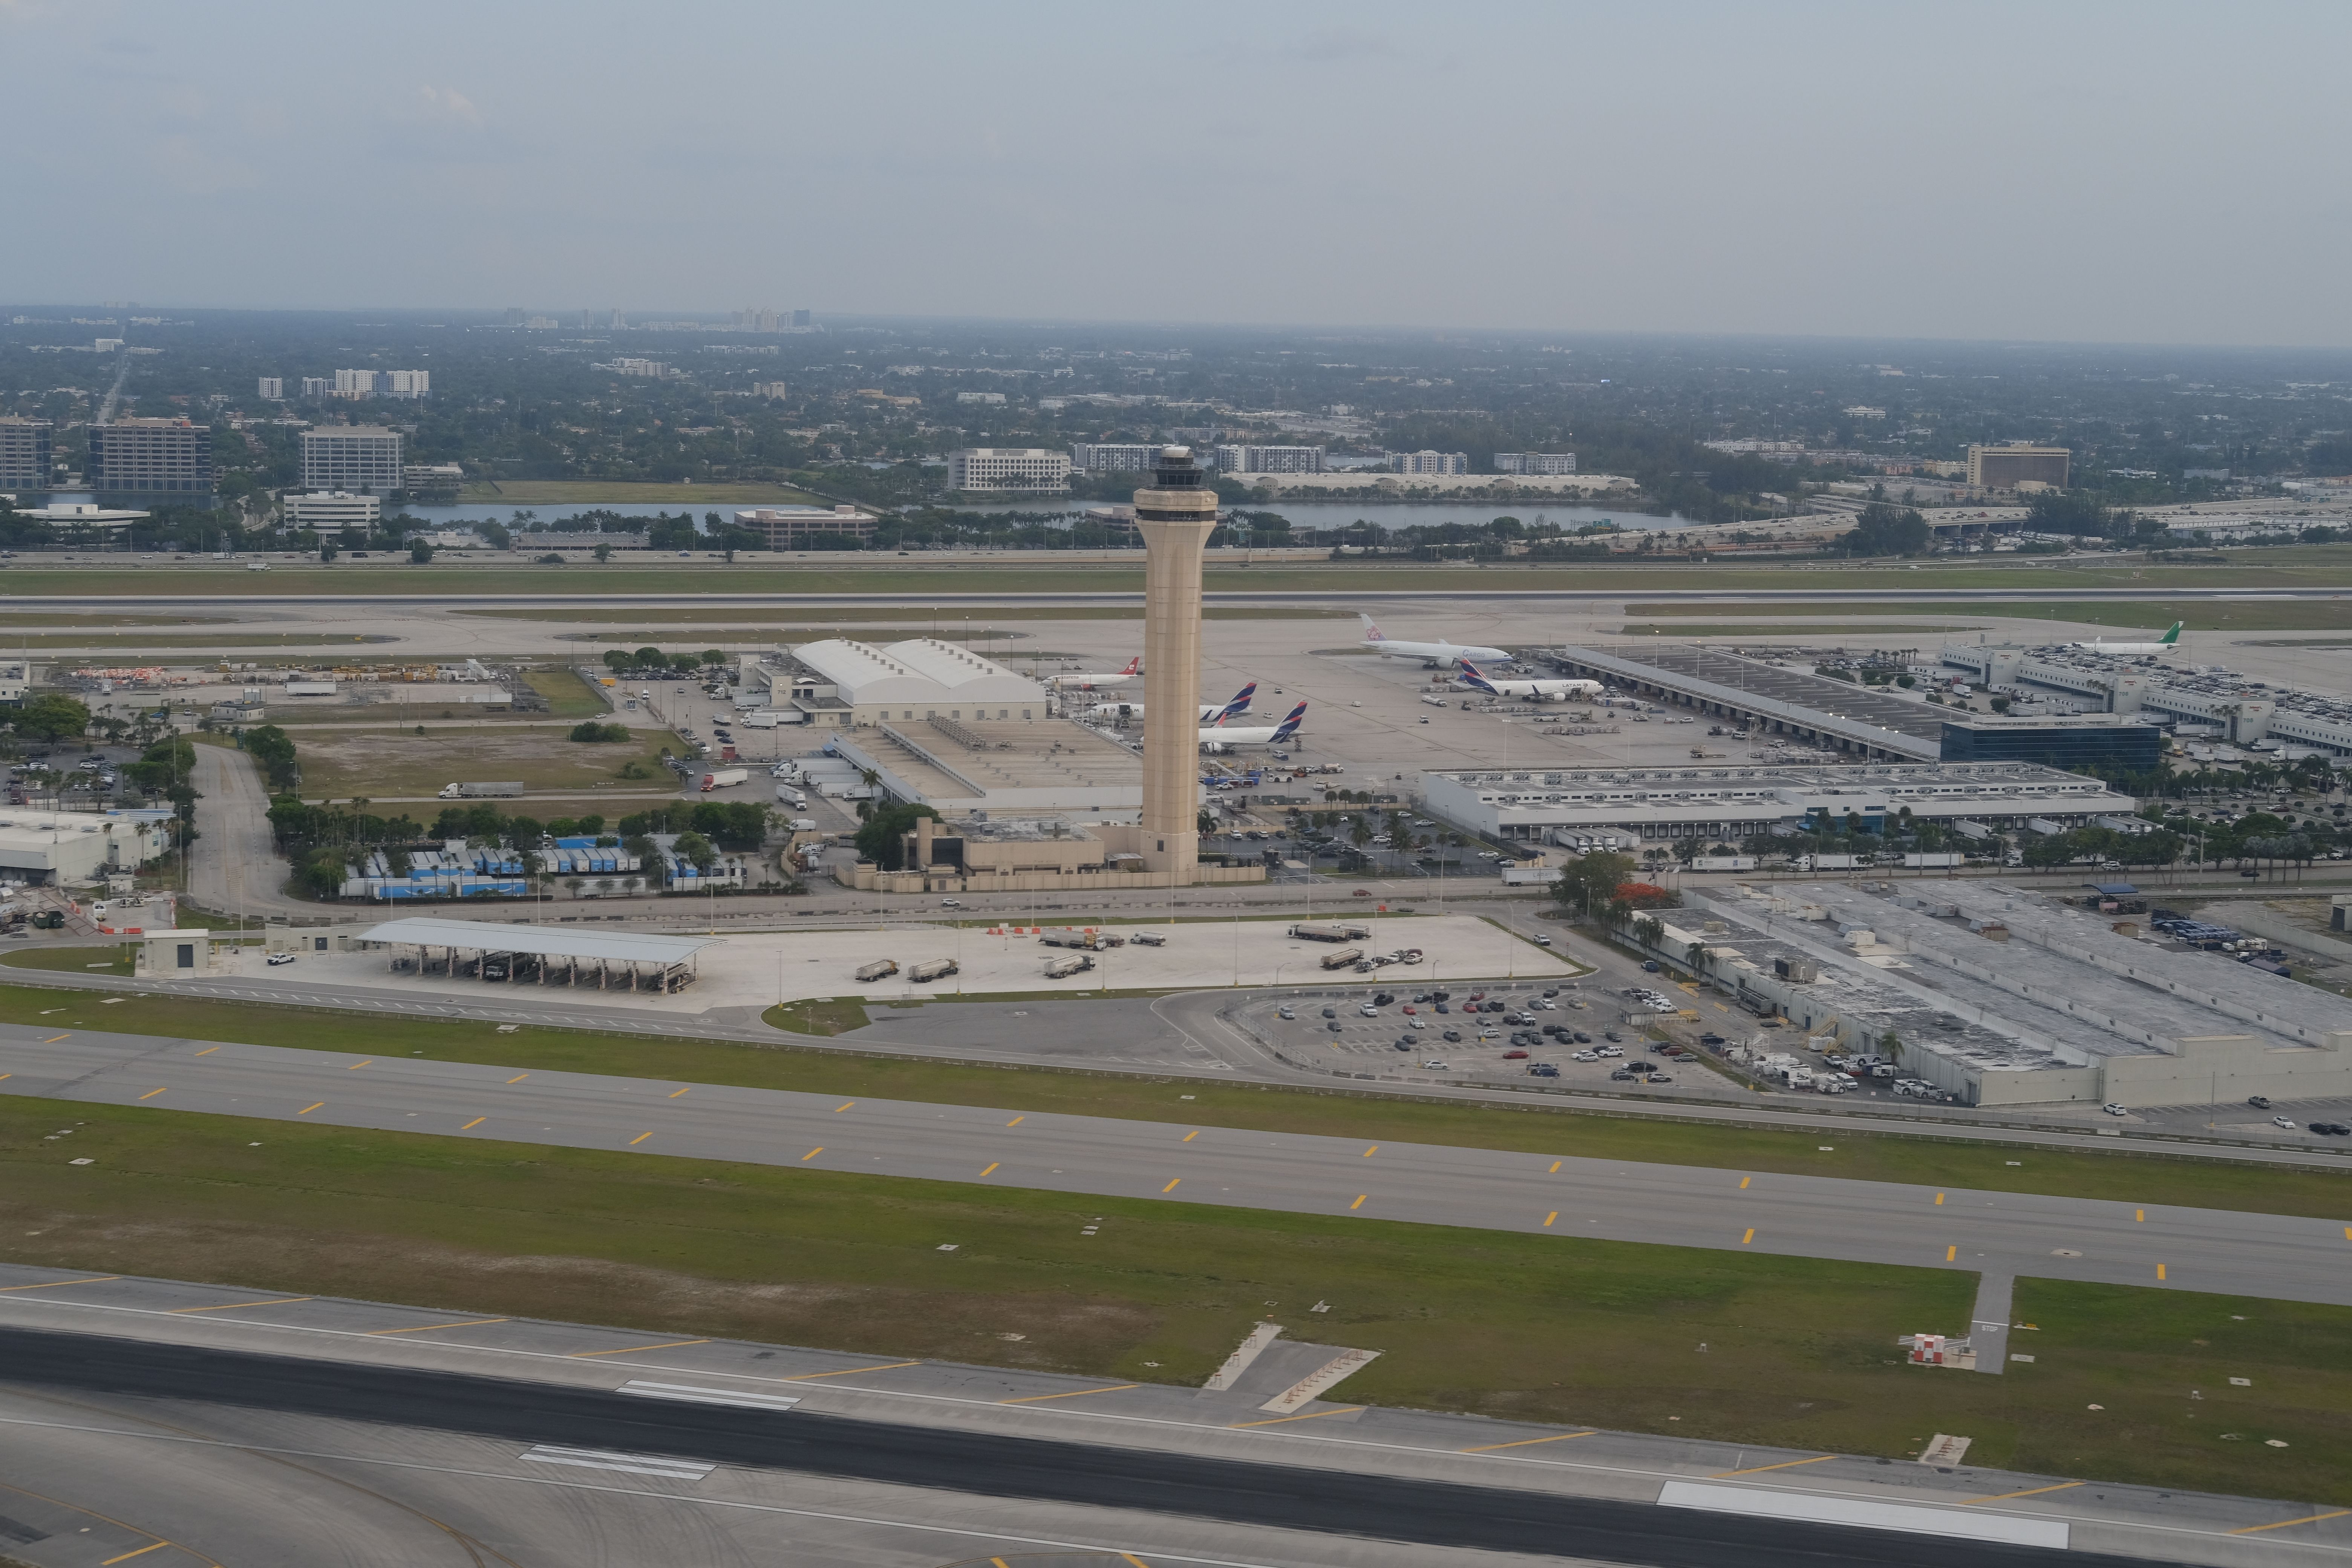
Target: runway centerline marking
{"type": "Point", "coordinates": [1526, 1442]}
{"type": "Point", "coordinates": [1073, 1394]}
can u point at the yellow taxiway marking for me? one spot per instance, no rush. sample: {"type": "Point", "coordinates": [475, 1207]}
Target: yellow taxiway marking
{"type": "Point", "coordinates": [1952, 1253]}
{"type": "Point", "coordinates": [1744, 1180]}
{"type": "Point", "coordinates": [8, 1075]}
{"type": "Point", "coordinates": [356, 1065]}
{"type": "Point", "coordinates": [639, 1139]}
{"type": "Point", "coordinates": [687, 1089]}
{"type": "Point", "coordinates": [477, 1121]}
{"type": "Point", "coordinates": [1310, 1415]}
{"type": "Point", "coordinates": [1549, 1217]}
{"type": "Point", "coordinates": [847, 1371]}
{"type": "Point", "coordinates": [1372, 1150]}
{"type": "Point", "coordinates": [843, 1106]}
{"type": "Point", "coordinates": [1556, 1164]}
{"type": "Point", "coordinates": [127, 1556]}
{"type": "Point", "coordinates": [2160, 1271]}
{"type": "Point", "coordinates": [1940, 1200]}
{"type": "Point", "coordinates": [1172, 1186]}
{"type": "Point", "coordinates": [1131, 1557]}
{"type": "Point", "coordinates": [812, 1154]}
{"type": "Point", "coordinates": [426, 1328]}
{"type": "Point", "coordinates": [310, 1107]}
{"type": "Point", "coordinates": [1190, 1136]}
{"type": "Point", "coordinates": [519, 1078]}
{"type": "Point", "coordinates": [53, 1039]}
{"type": "Point", "coordinates": [55, 1283]}
{"type": "Point", "coordinates": [207, 1050]}
{"type": "Point", "coordinates": [231, 1306]}
{"type": "Point", "coordinates": [1526, 1442]}
{"type": "Point", "coordinates": [2030, 1491]}
{"type": "Point", "coordinates": [1750, 1237]}
{"type": "Point", "coordinates": [152, 1093]}
{"type": "Point", "coordinates": [632, 1350]}
{"type": "Point", "coordinates": [1783, 1465]}
{"type": "Point", "coordinates": [2139, 1217]}
{"type": "Point", "coordinates": [1017, 1121]}
{"type": "Point", "coordinates": [2282, 1524]}
{"type": "Point", "coordinates": [1360, 1200]}
{"type": "Point", "coordinates": [1073, 1394]}
{"type": "Point", "coordinates": [992, 1165]}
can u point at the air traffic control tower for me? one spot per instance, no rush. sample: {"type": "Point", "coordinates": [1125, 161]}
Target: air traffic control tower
{"type": "Point", "coordinates": [1175, 518]}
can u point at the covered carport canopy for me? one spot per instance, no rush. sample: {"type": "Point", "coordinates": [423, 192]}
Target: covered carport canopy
{"type": "Point", "coordinates": [487, 950]}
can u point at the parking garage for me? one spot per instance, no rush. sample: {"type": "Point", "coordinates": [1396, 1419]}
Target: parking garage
{"type": "Point", "coordinates": [521, 954]}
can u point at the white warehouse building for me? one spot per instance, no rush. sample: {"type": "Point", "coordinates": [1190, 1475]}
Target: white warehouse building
{"type": "Point", "coordinates": [843, 682]}
{"type": "Point", "coordinates": [64, 847]}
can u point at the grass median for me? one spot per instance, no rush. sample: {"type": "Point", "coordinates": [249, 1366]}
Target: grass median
{"type": "Point", "coordinates": [1729, 1346]}
{"type": "Point", "coordinates": [2120, 1177]}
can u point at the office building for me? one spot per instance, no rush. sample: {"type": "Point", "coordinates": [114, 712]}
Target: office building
{"type": "Point", "coordinates": [1008, 468]}
{"type": "Point", "coordinates": [800, 318]}
{"type": "Point", "coordinates": [808, 527]}
{"type": "Point", "coordinates": [151, 456]}
{"type": "Point", "coordinates": [1112, 458]}
{"type": "Point", "coordinates": [1534, 462]}
{"type": "Point", "coordinates": [273, 387]}
{"type": "Point", "coordinates": [25, 454]}
{"type": "Point", "coordinates": [361, 458]}
{"type": "Point", "coordinates": [2014, 464]}
{"type": "Point", "coordinates": [758, 321]}
{"type": "Point", "coordinates": [1425, 462]}
{"type": "Point", "coordinates": [1270, 460]}
{"type": "Point", "coordinates": [425, 479]}
{"type": "Point", "coordinates": [2078, 741]}
{"type": "Point", "coordinates": [355, 383]}
{"type": "Point", "coordinates": [333, 511]}
{"type": "Point", "coordinates": [317, 386]}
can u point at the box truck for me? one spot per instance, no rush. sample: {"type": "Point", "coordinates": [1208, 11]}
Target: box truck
{"type": "Point", "coordinates": [724, 777]}
{"type": "Point", "coordinates": [498, 791]}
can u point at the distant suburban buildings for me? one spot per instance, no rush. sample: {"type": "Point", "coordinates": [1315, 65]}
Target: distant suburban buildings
{"type": "Point", "coordinates": [317, 386]}
{"type": "Point", "coordinates": [333, 511]}
{"type": "Point", "coordinates": [1112, 458]}
{"type": "Point", "coordinates": [1008, 468]}
{"type": "Point", "coordinates": [354, 457]}
{"type": "Point", "coordinates": [800, 318]}
{"type": "Point", "coordinates": [2014, 465]}
{"type": "Point", "coordinates": [768, 389]}
{"type": "Point", "coordinates": [24, 456]}
{"type": "Point", "coordinates": [1427, 462]}
{"type": "Point", "coordinates": [991, 397]}
{"type": "Point", "coordinates": [357, 384]}
{"type": "Point", "coordinates": [1534, 462]}
{"type": "Point", "coordinates": [652, 369]}
{"type": "Point", "coordinates": [421, 478]}
{"type": "Point", "coordinates": [151, 456]}
{"type": "Point", "coordinates": [1270, 460]}
{"type": "Point", "coordinates": [804, 527]}
{"type": "Point", "coordinates": [273, 388]}
{"type": "Point", "coordinates": [758, 321]}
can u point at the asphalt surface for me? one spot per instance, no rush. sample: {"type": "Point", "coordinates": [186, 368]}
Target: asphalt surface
{"type": "Point", "coordinates": [1994, 1233]}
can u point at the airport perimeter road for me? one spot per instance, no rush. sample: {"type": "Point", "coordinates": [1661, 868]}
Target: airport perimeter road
{"type": "Point", "coordinates": [1994, 1233]}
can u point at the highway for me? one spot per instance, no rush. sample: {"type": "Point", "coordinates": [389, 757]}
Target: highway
{"type": "Point", "coordinates": [1997, 1235]}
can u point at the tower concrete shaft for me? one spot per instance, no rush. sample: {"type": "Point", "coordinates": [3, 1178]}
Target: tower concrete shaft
{"type": "Point", "coordinates": [1175, 518]}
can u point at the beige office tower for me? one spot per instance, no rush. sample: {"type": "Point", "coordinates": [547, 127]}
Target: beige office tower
{"type": "Point", "coordinates": [1175, 518]}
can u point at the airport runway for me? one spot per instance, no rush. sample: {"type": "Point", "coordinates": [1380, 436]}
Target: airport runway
{"type": "Point", "coordinates": [1996, 1235]}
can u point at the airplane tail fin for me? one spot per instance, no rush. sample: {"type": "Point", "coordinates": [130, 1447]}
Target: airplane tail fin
{"type": "Point", "coordinates": [1372, 632]}
{"type": "Point", "coordinates": [1240, 704]}
{"type": "Point", "coordinates": [1477, 681]}
{"type": "Point", "coordinates": [1133, 665]}
{"type": "Point", "coordinates": [1289, 726]}
{"type": "Point", "coordinates": [2172, 636]}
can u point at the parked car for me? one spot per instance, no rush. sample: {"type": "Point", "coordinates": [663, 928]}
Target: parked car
{"type": "Point", "coordinates": [1515, 1056]}
{"type": "Point", "coordinates": [1285, 1012]}
{"type": "Point", "coordinates": [1453, 1036]}
{"type": "Point", "coordinates": [2260, 1101]}
{"type": "Point", "coordinates": [277, 958]}
{"type": "Point", "coordinates": [2282, 1121]}
{"type": "Point", "coordinates": [2112, 1109]}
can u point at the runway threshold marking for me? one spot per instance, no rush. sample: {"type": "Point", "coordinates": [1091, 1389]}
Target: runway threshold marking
{"type": "Point", "coordinates": [1526, 1442]}
{"type": "Point", "coordinates": [639, 1139]}
{"type": "Point", "coordinates": [992, 1165]}
{"type": "Point", "coordinates": [2030, 1491]}
{"type": "Point", "coordinates": [207, 1050]}
{"type": "Point", "coordinates": [1750, 1237]}
{"type": "Point", "coordinates": [1310, 1415]}
{"type": "Point", "coordinates": [2282, 1524]}
{"type": "Point", "coordinates": [308, 1109]}
{"type": "Point", "coordinates": [1073, 1394]}
{"type": "Point", "coordinates": [53, 1284]}
{"type": "Point", "coordinates": [1783, 1465]}
{"type": "Point", "coordinates": [812, 1154]}
{"type": "Point", "coordinates": [477, 1121]}
{"type": "Point", "coordinates": [426, 1328]}
{"type": "Point", "coordinates": [230, 1306]}
{"type": "Point", "coordinates": [848, 1371]}
{"type": "Point", "coordinates": [1172, 1186]}
{"type": "Point", "coordinates": [152, 1093]}
{"type": "Point", "coordinates": [632, 1350]}
{"type": "Point", "coordinates": [1360, 1200]}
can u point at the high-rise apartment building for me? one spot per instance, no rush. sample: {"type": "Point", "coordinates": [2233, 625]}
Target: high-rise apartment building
{"type": "Point", "coordinates": [360, 458]}
{"type": "Point", "coordinates": [273, 387]}
{"type": "Point", "coordinates": [1270, 460]}
{"type": "Point", "coordinates": [317, 386]}
{"type": "Point", "coordinates": [1534, 462]}
{"type": "Point", "coordinates": [1008, 468]}
{"type": "Point", "coordinates": [24, 456]}
{"type": "Point", "coordinates": [383, 383]}
{"type": "Point", "coordinates": [1111, 458]}
{"type": "Point", "coordinates": [769, 389]}
{"type": "Point", "coordinates": [151, 456]}
{"type": "Point", "coordinates": [2015, 463]}
{"type": "Point", "coordinates": [1427, 462]}
{"type": "Point", "coordinates": [758, 320]}
{"type": "Point", "coordinates": [800, 318]}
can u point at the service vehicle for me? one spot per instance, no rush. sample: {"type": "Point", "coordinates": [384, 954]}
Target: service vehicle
{"type": "Point", "coordinates": [1067, 964]}
{"type": "Point", "coordinates": [935, 969]}
{"type": "Point", "coordinates": [724, 777]}
{"type": "Point", "coordinates": [881, 968]}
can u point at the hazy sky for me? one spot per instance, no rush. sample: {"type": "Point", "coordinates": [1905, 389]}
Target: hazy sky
{"type": "Point", "coordinates": [2139, 172]}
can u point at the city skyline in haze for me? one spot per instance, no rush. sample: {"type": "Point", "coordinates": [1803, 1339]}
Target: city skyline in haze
{"type": "Point", "coordinates": [2099, 173]}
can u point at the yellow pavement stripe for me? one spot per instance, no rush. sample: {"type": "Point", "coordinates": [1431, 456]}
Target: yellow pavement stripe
{"type": "Point", "coordinates": [127, 1556]}
{"type": "Point", "coordinates": [1526, 1442]}
{"type": "Point", "coordinates": [1557, 1163]}
{"type": "Point", "coordinates": [310, 1107]}
{"type": "Point", "coordinates": [1073, 1394]}
{"type": "Point", "coordinates": [1940, 1200]}
{"type": "Point", "coordinates": [992, 1165]}
{"type": "Point", "coordinates": [1549, 1217]}
{"type": "Point", "coordinates": [1190, 1136]}
{"type": "Point", "coordinates": [2139, 1217]}
{"type": "Point", "coordinates": [2030, 1491]}
{"type": "Point", "coordinates": [207, 1050]}
{"type": "Point", "coordinates": [2348, 1233]}
{"type": "Point", "coordinates": [687, 1089]}
{"type": "Point", "coordinates": [1312, 1415]}
{"type": "Point", "coordinates": [8, 1075]}
{"type": "Point", "coordinates": [2282, 1524]}
{"type": "Point", "coordinates": [1372, 1150]}
{"type": "Point", "coordinates": [53, 1039]}
{"type": "Point", "coordinates": [843, 1106]}
{"type": "Point", "coordinates": [1952, 1253]}
{"type": "Point", "coordinates": [1131, 1557]}
{"type": "Point", "coordinates": [1360, 1200]}
{"type": "Point", "coordinates": [632, 1350]}
{"type": "Point", "coordinates": [231, 1306]}
{"type": "Point", "coordinates": [846, 1370]}
{"type": "Point", "coordinates": [1744, 1180]}
{"type": "Point", "coordinates": [1750, 1237]}
{"type": "Point", "coordinates": [356, 1065]}
{"type": "Point", "coordinates": [151, 1094]}
{"type": "Point", "coordinates": [427, 1327]}
{"type": "Point", "coordinates": [1017, 1121]}
{"type": "Point", "coordinates": [639, 1139]}
{"type": "Point", "coordinates": [1172, 1186]}
{"type": "Point", "coordinates": [519, 1078]}
{"type": "Point", "coordinates": [812, 1154]}
{"type": "Point", "coordinates": [477, 1121]}
{"type": "Point", "coordinates": [55, 1283]}
{"type": "Point", "coordinates": [2160, 1271]}
{"type": "Point", "coordinates": [1783, 1465]}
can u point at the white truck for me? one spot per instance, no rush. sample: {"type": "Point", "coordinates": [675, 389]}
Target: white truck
{"type": "Point", "coordinates": [496, 791]}
{"type": "Point", "coordinates": [724, 777]}
{"type": "Point", "coordinates": [880, 968]}
{"type": "Point", "coordinates": [1067, 964]}
{"type": "Point", "coordinates": [934, 969]}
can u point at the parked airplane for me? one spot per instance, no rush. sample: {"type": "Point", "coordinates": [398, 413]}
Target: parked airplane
{"type": "Point", "coordinates": [1534, 690]}
{"type": "Point", "coordinates": [1223, 737]}
{"type": "Point", "coordinates": [2165, 644]}
{"type": "Point", "coordinates": [1096, 683]}
{"type": "Point", "coordinates": [1211, 712]}
{"type": "Point", "coordinates": [1438, 653]}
